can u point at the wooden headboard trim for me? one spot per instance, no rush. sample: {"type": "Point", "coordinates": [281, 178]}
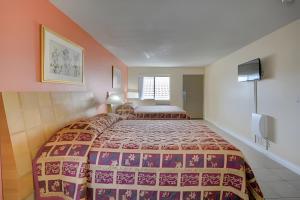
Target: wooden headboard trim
{"type": "Point", "coordinates": [27, 120]}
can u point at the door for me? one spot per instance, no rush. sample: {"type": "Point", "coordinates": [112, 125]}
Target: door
{"type": "Point", "coordinates": [193, 95]}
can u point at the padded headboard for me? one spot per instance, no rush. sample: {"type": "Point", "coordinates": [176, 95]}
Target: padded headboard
{"type": "Point", "coordinates": [27, 120]}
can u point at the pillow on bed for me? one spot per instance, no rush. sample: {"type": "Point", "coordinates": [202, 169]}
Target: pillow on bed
{"type": "Point", "coordinates": [96, 125]}
{"type": "Point", "coordinates": [104, 120]}
{"type": "Point", "coordinates": [101, 121]}
{"type": "Point", "coordinates": [124, 109]}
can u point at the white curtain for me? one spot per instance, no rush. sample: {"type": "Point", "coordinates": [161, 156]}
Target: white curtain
{"type": "Point", "coordinates": [140, 87]}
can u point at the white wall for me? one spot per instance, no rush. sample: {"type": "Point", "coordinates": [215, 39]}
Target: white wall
{"type": "Point", "coordinates": [175, 74]}
{"type": "Point", "coordinates": [229, 103]}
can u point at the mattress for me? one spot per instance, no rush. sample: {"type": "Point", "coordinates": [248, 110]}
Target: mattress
{"type": "Point", "coordinates": [145, 160]}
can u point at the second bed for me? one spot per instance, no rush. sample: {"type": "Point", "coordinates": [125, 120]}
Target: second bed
{"type": "Point", "coordinates": [152, 112]}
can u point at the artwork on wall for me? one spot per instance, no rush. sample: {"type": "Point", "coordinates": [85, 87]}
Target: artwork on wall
{"type": "Point", "coordinates": [62, 60]}
{"type": "Point", "coordinates": [116, 78]}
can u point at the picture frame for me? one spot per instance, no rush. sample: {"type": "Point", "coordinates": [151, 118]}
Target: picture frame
{"type": "Point", "coordinates": [62, 61]}
{"type": "Point", "coordinates": [116, 78]}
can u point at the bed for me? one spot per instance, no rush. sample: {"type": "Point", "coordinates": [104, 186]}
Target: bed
{"type": "Point", "coordinates": [106, 158]}
{"type": "Point", "coordinates": [155, 112]}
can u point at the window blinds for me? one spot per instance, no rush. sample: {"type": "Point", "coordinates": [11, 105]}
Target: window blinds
{"type": "Point", "coordinates": [157, 88]}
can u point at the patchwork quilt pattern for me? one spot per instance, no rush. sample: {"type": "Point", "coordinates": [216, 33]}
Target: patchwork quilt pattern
{"type": "Point", "coordinates": [157, 116]}
{"type": "Point", "coordinates": [143, 160]}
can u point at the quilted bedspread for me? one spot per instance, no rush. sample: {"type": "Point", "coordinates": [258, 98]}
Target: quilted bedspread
{"type": "Point", "coordinates": [158, 116]}
{"type": "Point", "coordinates": [158, 112]}
{"type": "Point", "coordinates": [143, 160]}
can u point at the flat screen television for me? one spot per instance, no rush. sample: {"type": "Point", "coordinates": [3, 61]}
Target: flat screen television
{"type": "Point", "coordinates": [250, 71]}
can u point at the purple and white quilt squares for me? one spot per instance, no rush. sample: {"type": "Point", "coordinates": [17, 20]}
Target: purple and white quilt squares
{"type": "Point", "coordinates": [215, 161]}
{"type": "Point", "coordinates": [123, 164]}
{"type": "Point", "coordinates": [194, 161]}
{"type": "Point", "coordinates": [69, 136]}
{"type": "Point", "coordinates": [78, 150]}
{"type": "Point", "coordinates": [172, 161]}
{"type": "Point", "coordinates": [169, 195]}
{"type": "Point", "coordinates": [83, 170]}
{"type": "Point", "coordinates": [70, 168]}
{"type": "Point", "coordinates": [193, 195]}
{"type": "Point", "coordinates": [52, 168]}
{"type": "Point", "coordinates": [230, 195]}
{"type": "Point", "coordinates": [146, 178]}
{"type": "Point", "coordinates": [81, 191]}
{"type": "Point", "coordinates": [109, 158]}
{"type": "Point", "coordinates": [233, 181]}
{"type": "Point", "coordinates": [85, 137]}
{"type": "Point", "coordinates": [69, 189]}
{"type": "Point", "coordinates": [131, 159]}
{"type": "Point", "coordinates": [131, 146]}
{"type": "Point", "coordinates": [189, 179]}
{"type": "Point", "coordinates": [148, 195]}
{"type": "Point", "coordinates": [211, 179]}
{"type": "Point", "coordinates": [168, 179]}
{"type": "Point", "coordinates": [127, 194]}
{"type": "Point", "coordinates": [106, 194]}
{"type": "Point", "coordinates": [42, 187]}
{"type": "Point", "coordinates": [151, 160]}
{"type": "Point", "coordinates": [92, 157]}
{"type": "Point", "coordinates": [215, 195]}
{"type": "Point", "coordinates": [235, 162]}
{"type": "Point", "coordinates": [125, 178]}
{"type": "Point", "coordinates": [39, 169]}
{"type": "Point", "coordinates": [54, 138]}
{"type": "Point", "coordinates": [104, 177]}
{"type": "Point", "coordinates": [55, 186]}
{"type": "Point", "coordinates": [60, 150]}
{"type": "Point", "coordinates": [45, 151]}
{"type": "Point", "coordinates": [111, 145]}
{"type": "Point", "coordinates": [79, 126]}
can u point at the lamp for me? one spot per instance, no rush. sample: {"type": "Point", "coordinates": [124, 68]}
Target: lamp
{"type": "Point", "coordinates": [113, 99]}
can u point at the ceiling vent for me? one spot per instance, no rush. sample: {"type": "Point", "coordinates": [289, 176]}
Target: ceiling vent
{"type": "Point", "coordinates": [287, 2]}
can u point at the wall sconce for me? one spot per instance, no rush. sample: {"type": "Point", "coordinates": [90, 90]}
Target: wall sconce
{"type": "Point", "coordinates": [113, 99]}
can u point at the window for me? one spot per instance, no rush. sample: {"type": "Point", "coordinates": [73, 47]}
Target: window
{"type": "Point", "coordinates": [148, 88]}
{"type": "Point", "coordinates": [157, 88]}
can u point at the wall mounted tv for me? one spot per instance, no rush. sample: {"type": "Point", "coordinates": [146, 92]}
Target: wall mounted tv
{"type": "Point", "coordinates": [250, 71]}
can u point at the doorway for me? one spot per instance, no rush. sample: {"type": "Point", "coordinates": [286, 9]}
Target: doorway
{"type": "Point", "coordinates": [193, 95]}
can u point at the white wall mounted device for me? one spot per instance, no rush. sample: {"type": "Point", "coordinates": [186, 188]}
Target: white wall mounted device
{"type": "Point", "coordinates": [259, 126]}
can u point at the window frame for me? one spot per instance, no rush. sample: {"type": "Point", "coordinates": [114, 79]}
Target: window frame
{"type": "Point", "coordinates": [154, 88]}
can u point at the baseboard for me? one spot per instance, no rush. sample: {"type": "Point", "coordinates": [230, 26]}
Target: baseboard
{"type": "Point", "coordinates": [291, 166]}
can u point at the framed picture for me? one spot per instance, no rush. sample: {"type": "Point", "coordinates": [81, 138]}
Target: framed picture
{"type": "Point", "coordinates": [62, 60]}
{"type": "Point", "coordinates": [116, 78]}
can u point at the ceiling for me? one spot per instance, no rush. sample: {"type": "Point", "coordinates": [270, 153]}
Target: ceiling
{"type": "Point", "coordinates": [173, 33]}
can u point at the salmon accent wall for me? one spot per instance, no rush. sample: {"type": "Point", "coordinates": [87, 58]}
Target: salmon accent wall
{"type": "Point", "coordinates": [20, 23]}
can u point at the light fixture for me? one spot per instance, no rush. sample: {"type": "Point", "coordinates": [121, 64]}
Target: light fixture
{"type": "Point", "coordinates": [147, 55]}
{"type": "Point", "coordinates": [287, 2]}
{"type": "Point", "coordinates": [113, 99]}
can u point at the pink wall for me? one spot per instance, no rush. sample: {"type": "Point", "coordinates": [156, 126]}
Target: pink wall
{"type": "Point", "coordinates": [20, 49]}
